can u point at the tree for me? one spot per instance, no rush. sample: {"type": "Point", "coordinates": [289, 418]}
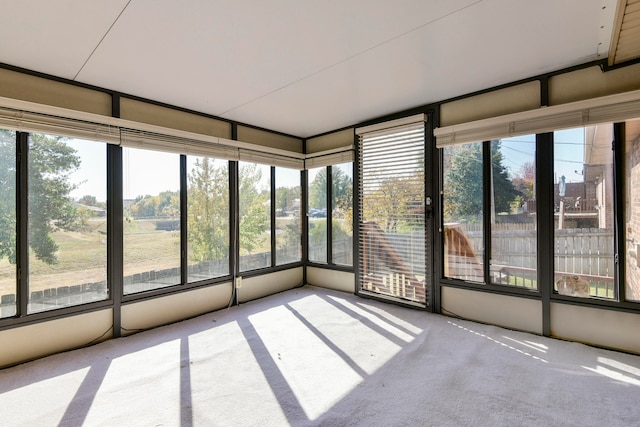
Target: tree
{"type": "Point", "coordinates": [208, 211]}
{"type": "Point", "coordinates": [395, 202]}
{"type": "Point", "coordinates": [8, 199]}
{"type": "Point", "coordinates": [463, 190]}
{"type": "Point", "coordinates": [342, 189]}
{"type": "Point", "coordinates": [51, 161]}
{"type": "Point", "coordinates": [254, 208]}
{"type": "Point", "coordinates": [286, 198]}
{"type": "Point", "coordinates": [524, 181]}
{"type": "Point", "coordinates": [318, 190]}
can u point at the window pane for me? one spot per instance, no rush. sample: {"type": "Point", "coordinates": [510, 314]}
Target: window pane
{"type": "Point", "coordinates": [317, 214]}
{"type": "Point", "coordinates": [67, 222]}
{"type": "Point", "coordinates": [255, 216]}
{"type": "Point", "coordinates": [513, 212]}
{"type": "Point", "coordinates": [342, 213]}
{"type": "Point", "coordinates": [288, 224]}
{"type": "Point", "coordinates": [632, 210]}
{"type": "Point", "coordinates": [462, 211]}
{"type": "Point", "coordinates": [208, 218]}
{"type": "Point", "coordinates": [151, 191]}
{"type": "Point", "coordinates": [7, 223]}
{"type": "Point", "coordinates": [583, 212]}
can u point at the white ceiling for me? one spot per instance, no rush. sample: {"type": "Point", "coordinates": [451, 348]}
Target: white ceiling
{"type": "Point", "coordinates": [302, 67]}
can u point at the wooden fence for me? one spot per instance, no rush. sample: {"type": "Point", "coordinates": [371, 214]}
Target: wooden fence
{"type": "Point", "coordinates": [586, 252]}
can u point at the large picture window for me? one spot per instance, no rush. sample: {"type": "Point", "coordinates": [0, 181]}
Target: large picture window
{"type": "Point", "coordinates": [489, 210]}
{"type": "Point", "coordinates": [151, 200]}
{"type": "Point", "coordinates": [342, 213]}
{"type": "Point", "coordinates": [513, 219]}
{"type": "Point", "coordinates": [584, 239]}
{"type": "Point", "coordinates": [67, 232]}
{"type": "Point", "coordinates": [208, 218]}
{"type": "Point", "coordinates": [317, 214]}
{"type": "Point", "coordinates": [287, 216]}
{"type": "Point", "coordinates": [463, 212]}
{"type": "Point", "coordinates": [254, 189]}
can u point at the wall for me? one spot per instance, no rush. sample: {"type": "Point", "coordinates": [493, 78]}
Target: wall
{"type": "Point", "coordinates": [331, 279]}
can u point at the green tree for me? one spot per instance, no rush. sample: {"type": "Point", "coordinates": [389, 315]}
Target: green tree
{"type": "Point", "coordinates": [88, 200]}
{"type": "Point", "coordinates": [504, 191]}
{"type": "Point", "coordinates": [395, 202]}
{"type": "Point", "coordinates": [254, 208]}
{"type": "Point", "coordinates": [463, 189]}
{"type": "Point", "coordinates": [208, 211]}
{"type": "Point", "coordinates": [342, 189]}
{"type": "Point", "coordinates": [8, 203]}
{"type": "Point", "coordinates": [318, 190]}
{"type": "Point", "coordinates": [286, 198]}
{"type": "Point", "coordinates": [51, 161]}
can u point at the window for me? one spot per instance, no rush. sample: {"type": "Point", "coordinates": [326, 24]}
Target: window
{"type": "Point", "coordinates": [8, 237]}
{"type": "Point", "coordinates": [632, 210]}
{"type": "Point", "coordinates": [463, 189]}
{"type": "Point", "coordinates": [513, 259]}
{"type": "Point", "coordinates": [254, 189]}
{"type": "Point", "coordinates": [583, 212]}
{"type": "Point", "coordinates": [287, 216]}
{"type": "Point", "coordinates": [489, 208]}
{"type": "Point", "coordinates": [208, 218]}
{"type": "Point", "coordinates": [151, 208]}
{"type": "Point", "coordinates": [342, 213]}
{"type": "Point", "coordinates": [317, 214]}
{"type": "Point", "coordinates": [67, 232]}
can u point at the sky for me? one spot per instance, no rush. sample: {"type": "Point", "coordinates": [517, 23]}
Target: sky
{"type": "Point", "coordinates": [568, 153]}
{"type": "Point", "coordinates": [150, 172]}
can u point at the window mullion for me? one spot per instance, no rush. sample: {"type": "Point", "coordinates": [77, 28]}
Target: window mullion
{"type": "Point", "coordinates": [22, 223]}
{"type": "Point", "coordinates": [488, 208]}
{"type": "Point", "coordinates": [329, 215]}
{"type": "Point", "coordinates": [184, 265]}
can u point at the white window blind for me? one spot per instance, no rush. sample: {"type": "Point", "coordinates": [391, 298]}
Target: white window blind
{"type": "Point", "coordinates": [392, 211]}
{"type": "Point", "coordinates": [173, 144]}
{"type": "Point", "coordinates": [272, 159]}
{"type": "Point", "coordinates": [26, 121]}
{"type": "Point", "coordinates": [32, 117]}
{"type": "Point", "coordinates": [329, 157]}
{"type": "Point", "coordinates": [611, 108]}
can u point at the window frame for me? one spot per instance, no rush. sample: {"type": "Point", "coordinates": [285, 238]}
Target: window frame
{"type": "Point", "coordinates": [545, 233]}
{"type": "Point", "coordinates": [330, 263]}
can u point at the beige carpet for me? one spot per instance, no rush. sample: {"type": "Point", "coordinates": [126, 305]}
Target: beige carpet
{"type": "Point", "coordinates": [315, 357]}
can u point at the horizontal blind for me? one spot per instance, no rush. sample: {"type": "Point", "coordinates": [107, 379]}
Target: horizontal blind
{"type": "Point", "coordinates": [611, 108]}
{"type": "Point", "coordinates": [172, 144]}
{"type": "Point", "coordinates": [271, 159]}
{"type": "Point", "coordinates": [25, 121]}
{"type": "Point", "coordinates": [328, 158]}
{"type": "Point", "coordinates": [392, 212]}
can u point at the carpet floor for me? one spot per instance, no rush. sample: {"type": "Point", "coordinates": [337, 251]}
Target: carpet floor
{"type": "Point", "coordinates": [315, 357]}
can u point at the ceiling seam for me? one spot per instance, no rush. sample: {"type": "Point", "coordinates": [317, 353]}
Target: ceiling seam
{"type": "Point", "coordinates": [101, 40]}
{"type": "Point", "coordinates": [342, 61]}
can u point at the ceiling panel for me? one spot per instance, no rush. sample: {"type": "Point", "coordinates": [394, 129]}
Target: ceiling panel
{"type": "Point", "coordinates": [54, 37]}
{"type": "Point", "coordinates": [468, 51]}
{"type": "Point", "coordinates": [216, 56]}
{"type": "Point", "coordinates": [302, 68]}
